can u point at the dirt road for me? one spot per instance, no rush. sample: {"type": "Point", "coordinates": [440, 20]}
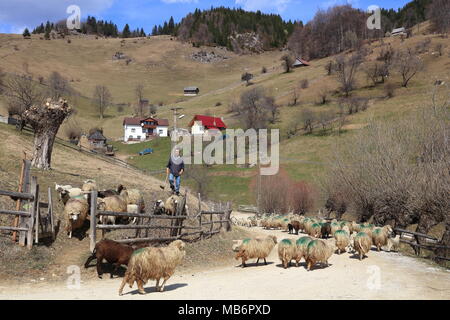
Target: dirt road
{"type": "Point", "coordinates": [380, 276]}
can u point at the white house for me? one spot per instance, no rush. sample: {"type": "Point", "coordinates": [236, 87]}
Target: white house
{"type": "Point", "coordinates": [398, 32]}
{"type": "Point", "coordinates": [206, 124]}
{"type": "Point", "coordinates": [141, 129]}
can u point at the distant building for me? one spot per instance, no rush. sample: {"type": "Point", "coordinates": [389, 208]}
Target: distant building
{"type": "Point", "coordinates": [141, 129]}
{"type": "Point", "coordinates": [191, 91]}
{"type": "Point", "coordinates": [300, 63]}
{"type": "Point", "coordinates": [398, 32]}
{"type": "Point", "coordinates": [206, 125]}
{"type": "Point", "coordinates": [97, 140]}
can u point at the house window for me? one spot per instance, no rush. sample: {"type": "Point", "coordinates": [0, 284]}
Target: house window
{"type": "Point", "coordinates": [161, 131]}
{"type": "Point", "coordinates": [139, 137]}
{"type": "Point", "coordinates": [133, 130]}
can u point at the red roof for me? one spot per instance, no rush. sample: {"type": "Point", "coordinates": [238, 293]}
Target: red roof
{"type": "Point", "coordinates": [209, 122]}
{"type": "Point", "coordinates": [137, 121]}
{"type": "Point", "coordinates": [306, 63]}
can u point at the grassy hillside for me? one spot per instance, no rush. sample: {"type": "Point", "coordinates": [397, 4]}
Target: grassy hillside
{"type": "Point", "coordinates": [164, 67]}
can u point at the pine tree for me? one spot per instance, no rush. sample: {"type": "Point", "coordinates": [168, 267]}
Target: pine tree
{"type": "Point", "coordinates": [126, 31]}
{"type": "Point", "coordinates": [26, 33]}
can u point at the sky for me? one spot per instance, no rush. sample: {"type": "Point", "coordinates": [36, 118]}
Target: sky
{"type": "Point", "coordinates": [16, 15]}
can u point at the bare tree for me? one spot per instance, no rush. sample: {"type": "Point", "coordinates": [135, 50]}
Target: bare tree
{"type": "Point", "coordinates": [58, 85]}
{"type": "Point", "coordinates": [256, 109]}
{"type": "Point", "coordinates": [287, 62]}
{"type": "Point", "coordinates": [407, 65]}
{"type": "Point", "coordinates": [139, 92]}
{"type": "Point", "coordinates": [346, 69]}
{"type": "Point", "coordinates": [45, 119]}
{"type": "Point", "coordinates": [199, 175]}
{"type": "Point", "coordinates": [323, 95]}
{"type": "Point", "coordinates": [21, 93]}
{"type": "Point", "coordinates": [439, 15]}
{"type": "Point", "coordinates": [247, 77]}
{"type": "Point", "coordinates": [102, 99]}
{"type": "Point", "coordinates": [329, 67]}
{"type": "Point", "coordinates": [308, 117]}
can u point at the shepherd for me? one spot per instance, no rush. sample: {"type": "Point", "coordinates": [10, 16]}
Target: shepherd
{"type": "Point", "coordinates": [175, 169]}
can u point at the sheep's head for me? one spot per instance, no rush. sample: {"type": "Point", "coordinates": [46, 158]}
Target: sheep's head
{"type": "Point", "coordinates": [101, 204]}
{"type": "Point", "coordinates": [73, 216]}
{"type": "Point", "coordinates": [178, 244]}
{"type": "Point", "coordinates": [159, 204]}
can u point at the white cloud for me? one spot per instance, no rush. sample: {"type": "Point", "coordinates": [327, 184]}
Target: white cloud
{"type": "Point", "coordinates": [264, 5]}
{"type": "Point", "coordinates": [30, 13]}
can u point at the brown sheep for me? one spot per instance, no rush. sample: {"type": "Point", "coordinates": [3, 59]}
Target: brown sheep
{"type": "Point", "coordinates": [256, 248]}
{"type": "Point", "coordinates": [153, 264]}
{"type": "Point", "coordinates": [76, 211]}
{"type": "Point", "coordinates": [115, 253]}
{"type": "Point", "coordinates": [295, 226]}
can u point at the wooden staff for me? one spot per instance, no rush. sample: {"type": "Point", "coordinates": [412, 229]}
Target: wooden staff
{"type": "Point", "coordinates": [18, 201]}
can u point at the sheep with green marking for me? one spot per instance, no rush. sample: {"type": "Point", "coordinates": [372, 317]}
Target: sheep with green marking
{"type": "Point", "coordinates": [301, 249]}
{"type": "Point", "coordinates": [256, 248]}
{"type": "Point", "coordinates": [380, 236]}
{"type": "Point", "coordinates": [362, 244]}
{"type": "Point", "coordinates": [319, 251]}
{"type": "Point", "coordinates": [315, 230]}
{"type": "Point", "coordinates": [342, 240]}
{"type": "Point", "coordinates": [335, 226]}
{"type": "Point", "coordinates": [286, 252]}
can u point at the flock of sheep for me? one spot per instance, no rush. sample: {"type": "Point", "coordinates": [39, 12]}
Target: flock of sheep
{"type": "Point", "coordinates": [77, 204]}
{"type": "Point", "coordinates": [324, 239]}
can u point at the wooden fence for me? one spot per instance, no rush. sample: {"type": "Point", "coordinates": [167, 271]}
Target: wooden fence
{"type": "Point", "coordinates": [431, 243]}
{"type": "Point", "coordinates": [178, 228]}
{"type": "Point", "coordinates": [29, 222]}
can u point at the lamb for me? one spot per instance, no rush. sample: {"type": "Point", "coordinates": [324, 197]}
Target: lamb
{"type": "Point", "coordinates": [65, 193]}
{"type": "Point", "coordinates": [115, 253]}
{"type": "Point", "coordinates": [113, 204]}
{"type": "Point", "coordinates": [301, 249]}
{"type": "Point", "coordinates": [158, 208]}
{"type": "Point", "coordinates": [380, 236]}
{"type": "Point", "coordinates": [325, 230]}
{"type": "Point", "coordinates": [153, 264]}
{"type": "Point", "coordinates": [256, 248]}
{"type": "Point", "coordinates": [171, 205]}
{"type": "Point", "coordinates": [286, 252]}
{"type": "Point", "coordinates": [393, 244]}
{"type": "Point", "coordinates": [342, 240]}
{"type": "Point", "coordinates": [362, 243]}
{"type": "Point", "coordinates": [319, 251]}
{"type": "Point", "coordinates": [76, 211]}
{"type": "Point", "coordinates": [134, 197]}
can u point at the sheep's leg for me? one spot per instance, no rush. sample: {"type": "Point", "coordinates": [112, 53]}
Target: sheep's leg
{"type": "Point", "coordinates": [265, 262]}
{"type": "Point", "coordinates": [157, 285]}
{"type": "Point", "coordinates": [257, 261]}
{"type": "Point", "coordinates": [99, 268]}
{"type": "Point", "coordinates": [140, 284]}
{"type": "Point", "coordinates": [243, 263]}
{"type": "Point", "coordinates": [163, 285]}
{"type": "Point", "coordinates": [115, 270]}
{"type": "Point", "coordinates": [124, 281]}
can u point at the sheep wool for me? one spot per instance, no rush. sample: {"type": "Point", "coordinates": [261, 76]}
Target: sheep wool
{"type": "Point", "coordinates": [362, 244]}
{"type": "Point", "coordinates": [335, 227]}
{"type": "Point", "coordinates": [286, 252]}
{"type": "Point", "coordinates": [315, 230]}
{"type": "Point", "coordinates": [76, 211]}
{"type": "Point", "coordinates": [256, 248]}
{"type": "Point", "coordinates": [319, 251]}
{"type": "Point", "coordinates": [380, 236]}
{"type": "Point", "coordinates": [342, 240]}
{"type": "Point", "coordinates": [153, 264]}
{"type": "Point", "coordinates": [301, 248]}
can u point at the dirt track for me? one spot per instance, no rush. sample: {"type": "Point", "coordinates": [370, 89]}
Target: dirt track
{"type": "Point", "coordinates": [347, 278]}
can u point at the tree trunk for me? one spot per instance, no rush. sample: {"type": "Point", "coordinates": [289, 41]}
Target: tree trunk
{"type": "Point", "coordinates": [445, 241]}
{"type": "Point", "coordinates": [45, 120]}
{"type": "Point", "coordinates": [43, 146]}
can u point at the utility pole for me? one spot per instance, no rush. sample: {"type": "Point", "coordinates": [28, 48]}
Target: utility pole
{"type": "Point", "coordinates": [175, 115]}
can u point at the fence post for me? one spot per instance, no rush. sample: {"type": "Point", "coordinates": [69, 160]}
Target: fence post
{"type": "Point", "coordinates": [93, 224]}
{"type": "Point", "coordinates": [34, 190]}
{"type": "Point", "coordinates": [200, 216]}
{"type": "Point", "coordinates": [228, 212]}
{"type": "Point", "coordinates": [50, 212]}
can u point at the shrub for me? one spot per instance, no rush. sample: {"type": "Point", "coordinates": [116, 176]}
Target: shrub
{"type": "Point", "coordinates": [304, 84]}
{"type": "Point", "coordinates": [389, 90]}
